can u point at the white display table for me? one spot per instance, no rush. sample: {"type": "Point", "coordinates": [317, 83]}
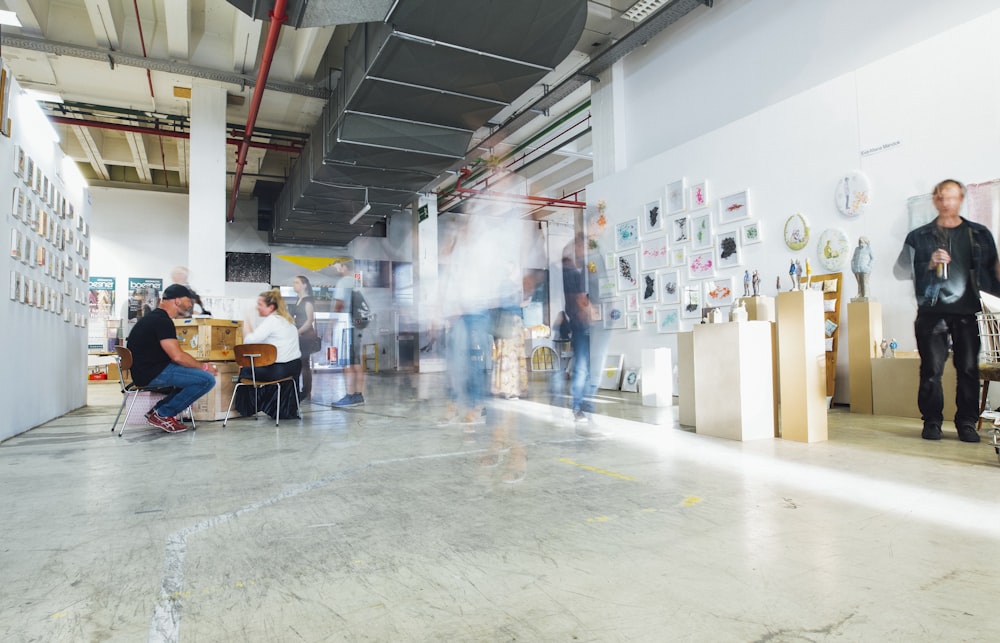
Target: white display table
{"type": "Point", "coordinates": [734, 387]}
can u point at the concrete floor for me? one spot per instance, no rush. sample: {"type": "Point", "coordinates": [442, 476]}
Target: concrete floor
{"type": "Point", "coordinates": [376, 524]}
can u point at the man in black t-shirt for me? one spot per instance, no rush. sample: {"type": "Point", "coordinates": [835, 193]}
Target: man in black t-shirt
{"type": "Point", "coordinates": [158, 360]}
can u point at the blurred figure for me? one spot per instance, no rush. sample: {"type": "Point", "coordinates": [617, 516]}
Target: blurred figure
{"type": "Point", "coordinates": [309, 339]}
{"type": "Point", "coordinates": [180, 275]}
{"type": "Point", "coordinates": [510, 370]}
{"type": "Point", "coordinates": [354, 372]}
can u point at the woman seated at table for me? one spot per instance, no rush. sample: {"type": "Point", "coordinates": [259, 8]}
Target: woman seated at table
{"type": "Point", "coordinates": [277, 328]}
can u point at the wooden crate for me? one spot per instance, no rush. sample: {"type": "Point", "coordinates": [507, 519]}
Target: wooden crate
{"type": "Point", "coordinates": [212, 406]}
{"type": "Point", "coordinates": [209, 339]}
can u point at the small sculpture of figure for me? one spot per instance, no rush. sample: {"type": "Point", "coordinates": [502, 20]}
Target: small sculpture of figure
{"type": "Point", "coordinates": [793, 275]}
{"type": "Point", "coordinates": [861, 266]}
{"type": "Point", "coordinates": [798, 274]}
{"type": "Point", "coordinates": [756, 283]}
{"type": "Point", "coordinates": [892, 347]}
{"type": "Point", "coordinates": [777, 283]}
{"type": "Point", "coordinates": [884, 346]}
{"type": "Point", "coordinates": [746, 283]}
{"type": "Point", "coordinates": [809, 273]}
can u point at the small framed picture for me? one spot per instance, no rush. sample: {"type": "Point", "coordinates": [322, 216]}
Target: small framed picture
{"type": "Point", "coordinates": [627, 234]}
{"type": "Point", "coordinates": [734, 207]}
{"type": "Point", "coordinates": [677, 196]}
{"type": "Point", "coordinates": [669, 282]}
{"type": "Point", "coordinates": [701, 264]}
{"type": "Point", "coordinates": [698, 195]}
{"type": "Point", "coordinates": [654, 252]}
{"type": "Point", "coordinates": [648, 315]}
{"type": "Point", "coordinates": [719, 292]}
{"type": "Point", "coordinates": [628, 271]}
{"type": "Point", "coordinates": [649, 289]}
{"type": "Point", "coordinates": [614, 314]}
{"type": "Point", "coordinates": [691, 302]}
{"type": "Point", "coordinates": [632, 321]}
{"type": "Point", "coordinates": [727, 248]}
{"type": "Point", "coordinates": [668, 320]}
{"type": "Point", "coordinates": [701, 230]}
{"type": "Point", "coordinates": [680, 232]}
{"type": "Point", "coordinates": [750, 233]}
{"type": "Point", "coordinates": [652, 217]}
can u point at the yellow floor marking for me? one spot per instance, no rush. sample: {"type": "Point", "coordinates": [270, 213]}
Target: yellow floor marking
{"type": "Point", "coordinates": [690, 500]}
{"type": "Point", "coordinates": [599, 519]}
{"type": "Point", "coordinates": [605, 472]}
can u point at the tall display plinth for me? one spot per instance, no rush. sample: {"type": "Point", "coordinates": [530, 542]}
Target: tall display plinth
{"type": "Point", "coordinates": [685, 379]}
{"type": "Point", "coordinates": [657, 382]}
{"type": "Point", "coordinates": [761, 308]}
{"type": "Point", "coordinates": [864, 328]}
{"type": "Point", "coordinates": [802, 365]}
{"type": "Point", "coordinates": [733, 381]}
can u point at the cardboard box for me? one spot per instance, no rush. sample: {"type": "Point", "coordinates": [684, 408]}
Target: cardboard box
{"type": "Point", "coordinates": [209, 339]}
{"type": "Point", "coordinates": [212, 406]}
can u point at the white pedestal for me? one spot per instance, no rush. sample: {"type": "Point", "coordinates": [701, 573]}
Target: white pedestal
{"type": "Point", "coordinates": [685, 380]}
{"type": "Point", "coordinates": [657, 381]}
{"type": "Point", "coordinates": [802, 365]}
{"type": "Point", "coordinates": [733, 381]}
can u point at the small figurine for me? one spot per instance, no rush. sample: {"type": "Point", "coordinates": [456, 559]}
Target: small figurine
{"type": "Point", "coordinates": [756, 284]}
{"type": "Point", "coordinates": [746, 283]}
{"type": "Point", "coordinates": [798, 274]}
{"type": "Point", "coordinates": [884, 346]}
{"type": "Point", "coordinates": [777, 283]}
{"type": "Point", "coordinates": [793, 273]}
{"type": "Point", "coordinates": [892, 347]}
{"type": "Point", "coordinates": [861, 266]}
{"type": "Point", "coordinates": [809, 273]}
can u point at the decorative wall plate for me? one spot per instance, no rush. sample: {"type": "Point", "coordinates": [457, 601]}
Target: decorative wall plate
{"type": "Point", "coordinates": [797, 231]}
{"type": "Point", "coordinates": [834, 249]}
{"type": "Point", "coordinates": [851, 195]}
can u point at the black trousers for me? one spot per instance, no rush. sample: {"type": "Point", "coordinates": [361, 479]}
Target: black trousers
{"type": "Point", "coordinates": [249, 402]}
{"type": "Point", "coordinates": [933, 331]}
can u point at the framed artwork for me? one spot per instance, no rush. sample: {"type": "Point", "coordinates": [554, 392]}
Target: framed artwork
{"type": "Point", "coordinates": [833, 249]}
{"type": "Point", "coordinates": [750, 233]}
{"type": "Point", "coordinates": [677, 196]}
{"type": "Point", "coordinates": [614, 314]}
{"type": "Point", "coordinates": [691, 302]}
{"type": "Point", "coordinates": [611, 373]}
{"type": "Point", "coordinates": [727, 249]}
{"type": "Point", "coordinates": [630, 380]}
{"type": "Point", "coordinates": [680, 232]}
{"type": "Point", "coordinates": [678, 257]}
{"type": "Point", "coordinates": [668, 320]}
{"type": "Point", "coordinates": [632, 321]}
{"type": "Point", "coordinates": [606, 287]}
{"type": "Point", "coordinates": [654, 253]}
{"type": "Point", "coordinates": [626, 234]}
{"type": "Point", "coordinates": [652, 217]}
{"type": "Point", "coordinates": [734, 207]}
{"type": "Point", "coordinates": [669, 282]}
{"type": "Point", "coordinates": [719, 292]}
{"type": "Point", "coordinates": [701, 264]}
{"type": "Point", "coordinates": [649, 290]}
{"type": "Point", "coordinates": [698, 195]}
{"type": "Point", "coordinates": [648, 315]}
{"type": "Point", "coordinates": [632, 302]}
{"type": "Point", "coordinates": [609, 262]}
{"type": "Point", "coordinates": [19, 161]}
{"type": "Point", "coordinates": [851, 194]}
{"type": "Point", "coordinates": [701, 230]}
{"type": "Point", "coordinates": [628, 271]}
{"type": "Point", "coordinates": [797, 231]}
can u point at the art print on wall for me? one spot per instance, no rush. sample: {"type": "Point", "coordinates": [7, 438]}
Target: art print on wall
{"type": "Point", "coordinates": [691, 302]}
{"type": "Point", "coordinates": [727, 249]}
{"type": "Point", "coordinates": [750, 233]}
{"type": "Point", "coordinates": [632, 323]}
{"type": "Point", "coordinates": [677, 196]}
{"type": "Point", "coordinates": [649, 291]}
{"type": "Point", "coordinates": [606, 287]}
{"type": "Point", "coordinates": [678, 257]}
{"type": "Point", "coordinates": [627, 234]}
{"type": "Point", "coordinates": [668, 320]}
{"type": "Point", "coordinates": [701, 264]}
{"type": "Point", "coordinates": [614, 314]}
{"type": "Point", "coordinates": [670, 286]}
{"type": "Point", "coordinates": [719, 292]}
{"type": "Point", "coordinates": [734, 207]}
{"type": "Point", "coordinates": [834, 249]}
{"type": "Point", "coordinates": [609, 262]}
{"type": "Point", "coordinates": [698, 195]}
{"type": "Point", "coordinates": [701, 230]}
{"type": "Point", "coordinates": [632, 301]}
{"type": "Point", "coordinates": [851, 194]}
{"type": "Point", "coordinates": [655, 253]}
{"type": "Point", "coordinates": [652, 217]}
{"type": "Point", "coordinates": [680, 232]}
{"type": "Point", "coordinates": [797, 231]}
{"type": "Point", "coordinates": [648, 314]}
{"type": "Point", "coordinates": [628, 271]}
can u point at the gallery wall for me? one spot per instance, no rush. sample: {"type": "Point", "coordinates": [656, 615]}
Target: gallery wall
{"type": "Point", "coordinates": [906, 121]}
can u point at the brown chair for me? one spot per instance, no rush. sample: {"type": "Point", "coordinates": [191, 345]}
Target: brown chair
{"type": "Point", "coordinates": [124, 358]}
{"type": "Point", "coordinates": [253, 356]}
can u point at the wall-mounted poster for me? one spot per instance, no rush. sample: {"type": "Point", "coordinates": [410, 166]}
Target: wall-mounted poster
{"type": "Point", "coordinates": [144, 296]}
{"type": "Point", "coordinates": [101, 301]}
{"type": "Point", "coordinates": [719, 292]}
{"type": "Point", "coordinates": [254, 267]}
{"type": "Point", "coordinates": [649, 289]}
{"type": "Point", "coordinates": [626, 234]}
{"type": "Point", "coordinates": [701, 264]}
{"type": "Point", "coordinates": [734, 207]}
{"type": "Point", "coordinates": [668, 320]}
{"type": "Point", "coordinates": [677, 196]}
{"type": "Point", "coordinates": [701, 230]}
{"type": "Point", "coordinates": [652, 217]}
{"type": "Point", "coordinates": [750, 233]}
{"type": "Point", "coordinates": [691, 302]}
{"type": "Point", "coordinates": [680, 232]}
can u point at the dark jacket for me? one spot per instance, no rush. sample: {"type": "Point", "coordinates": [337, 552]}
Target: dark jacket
{"type": "Point", "coordinates": [921, 243]}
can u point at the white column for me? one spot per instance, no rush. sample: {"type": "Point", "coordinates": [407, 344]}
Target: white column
{"type": "Point", "coordinates": [607, 117]}
{"type": "Point", "coordinates": [427, 308]}
{"type": "Point", "coordinates": [207, 194]}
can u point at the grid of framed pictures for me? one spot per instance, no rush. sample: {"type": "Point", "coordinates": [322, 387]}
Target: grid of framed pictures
{"type": "Point", "coordinates": [48, 243]}
{"type": "Point", "coordinates": [677, 257]}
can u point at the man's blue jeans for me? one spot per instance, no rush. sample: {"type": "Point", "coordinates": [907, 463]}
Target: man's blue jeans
{"type": "Point", "coordinates": [191, 382]}
{"type": "Point", "coordinates": [579, 381]}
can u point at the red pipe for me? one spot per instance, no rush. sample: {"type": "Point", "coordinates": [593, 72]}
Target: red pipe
{"type": "Point", "coordinates": [278, 17]}
{"type": "Point", "coordinates": [518, 198]}
{"type": "Point", "coordinates": [155, 131]}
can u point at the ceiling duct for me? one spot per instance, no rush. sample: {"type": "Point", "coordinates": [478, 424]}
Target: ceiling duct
{"type": "Point", "coordinates": [414, 89]}
{"type": "Point", "coordinates": [319, 13]}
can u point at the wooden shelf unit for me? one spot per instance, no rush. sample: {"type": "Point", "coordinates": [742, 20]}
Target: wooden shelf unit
{"type": "Point", "coordinates": [834, 316]}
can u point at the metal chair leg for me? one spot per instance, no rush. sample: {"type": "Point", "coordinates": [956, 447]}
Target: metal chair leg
{"type": "Point", "coordinates": [982, 404]}
{"type": "Point", "coordinates": [231, 400]}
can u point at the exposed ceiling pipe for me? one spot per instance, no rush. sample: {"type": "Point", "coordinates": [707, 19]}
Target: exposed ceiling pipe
{"type": "Point", "coordinates": [152, 131]}
{"type": "Point", "coordinates": [516, 198]}
{"type": "Point", "coordinates": [278, 17]}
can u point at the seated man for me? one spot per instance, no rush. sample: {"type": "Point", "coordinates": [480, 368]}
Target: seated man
{"type": "Point", "coordinates": [158, 361]}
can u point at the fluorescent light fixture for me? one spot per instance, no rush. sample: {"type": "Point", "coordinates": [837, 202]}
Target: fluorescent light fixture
{"type": "Point", "coordinates": [362, 212]}
{"type": "Point", "coordinates": [41, 96]}
{"type": "Point", "coordinates": [9, 18]}
{"type": "Point", "coordinates": [643, 9]}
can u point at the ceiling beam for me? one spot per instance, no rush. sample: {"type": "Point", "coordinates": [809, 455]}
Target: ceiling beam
{"type": "Point", "coordinates": [139, 157]}
{"type": "Point", "coordinates": [91, 150]}
{"type": "Point", "coordinates": [178, 25]}
{"type": "Point", "coordinates": [103, 22]}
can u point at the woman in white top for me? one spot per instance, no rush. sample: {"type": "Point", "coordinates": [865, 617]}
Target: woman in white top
{"type": "Point", "coordinates": [275, 328]}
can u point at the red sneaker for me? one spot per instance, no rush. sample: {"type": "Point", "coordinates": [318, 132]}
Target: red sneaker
{"type": "Point", "coordinates": [168, 424]}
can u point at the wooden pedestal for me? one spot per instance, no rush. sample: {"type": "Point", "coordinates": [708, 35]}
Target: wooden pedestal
{"type": "Point", "coordinates": [864, 327]}
{"type": "Point", "coordinates": [802, 365]}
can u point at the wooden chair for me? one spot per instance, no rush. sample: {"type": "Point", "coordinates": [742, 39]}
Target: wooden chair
{"type": "Point", "coordinates": [254, 356]}
{"type": "Point", "coordinates": [123, 357]}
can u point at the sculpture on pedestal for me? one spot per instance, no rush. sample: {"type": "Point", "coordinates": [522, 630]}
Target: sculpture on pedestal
{"type": "Point", "coordinates": [794, 273]}
{"type": "Point", "coordinates": [861, 266]}
{"type": "Point", "coordinates": [756, 284]}
{"type": "Point", "coordinates": [746, 283]}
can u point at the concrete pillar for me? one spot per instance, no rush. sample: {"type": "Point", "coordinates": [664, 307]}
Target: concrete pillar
{"type": "Point", "coordinates": [426, 306]}
{"type": "Point", "coordinates": [207, 194]}
{"type": "Point", "coordinates": [607, 117]}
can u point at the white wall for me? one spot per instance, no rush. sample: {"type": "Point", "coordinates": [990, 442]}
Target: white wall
{"type": "Point", "coordinates": [936, 97]}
